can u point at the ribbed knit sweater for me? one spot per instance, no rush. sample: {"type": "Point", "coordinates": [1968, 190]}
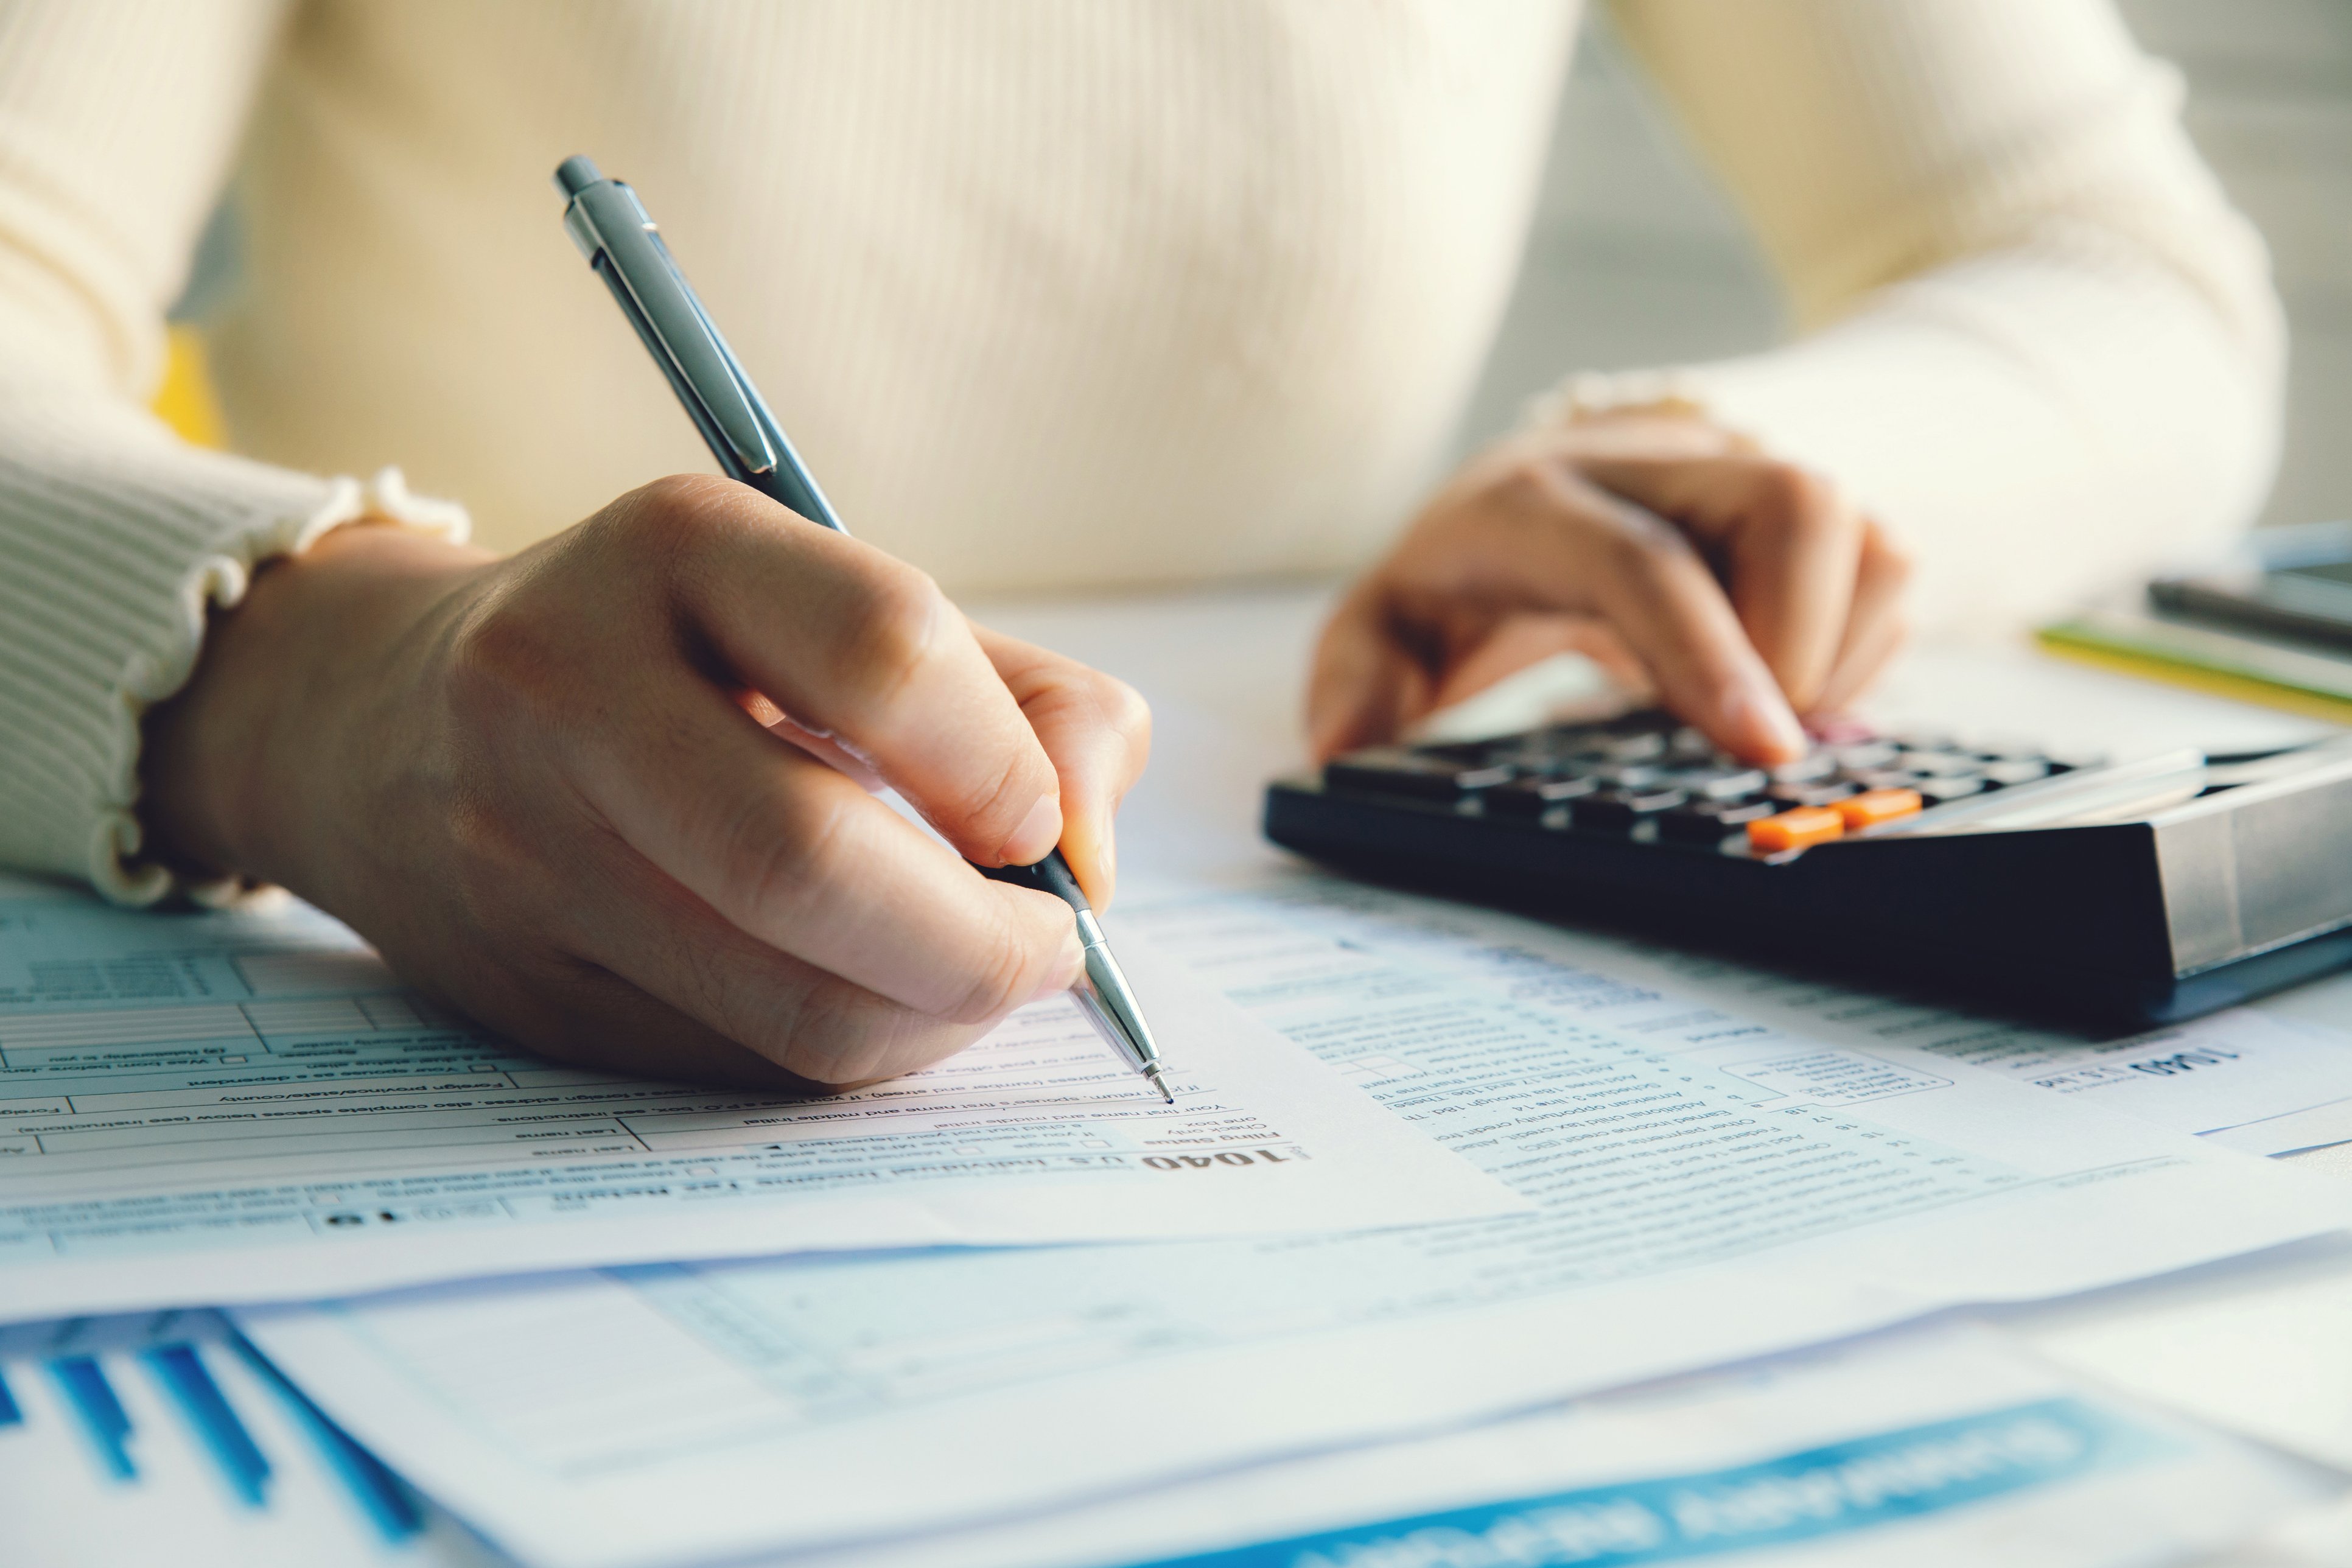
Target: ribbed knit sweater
{"type": "Point", "coordinates": [1052, 293]}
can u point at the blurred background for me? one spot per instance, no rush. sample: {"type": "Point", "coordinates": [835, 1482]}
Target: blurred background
{"type": "Point", "coordinates": [1637, 259]}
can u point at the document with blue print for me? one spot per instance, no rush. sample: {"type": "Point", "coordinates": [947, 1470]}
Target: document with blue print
{"type": "Point", "coordinates": [161, 1437]}
{"type": "Point", "coordinates": [246, 1105]}
{"type": "Point", "coordinates": [165, 1437]}
{"type": "Point", "coordinates": [1709, 1187]}
{"type": "Point", "coordinates": [1944, 1447]}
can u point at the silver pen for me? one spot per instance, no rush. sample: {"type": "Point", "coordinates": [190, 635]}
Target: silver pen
{"type": "Point", "coordinates": [609, 225]}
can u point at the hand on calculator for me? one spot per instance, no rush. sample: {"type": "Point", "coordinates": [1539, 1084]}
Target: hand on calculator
{"type": "Point", "coordinates": [1746, 593]}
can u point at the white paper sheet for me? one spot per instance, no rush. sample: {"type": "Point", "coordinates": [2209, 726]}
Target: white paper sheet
{"type": "Point", "coordinates": [2239, 1078]}
{"type": "Point", "coordinates": [1941, 1449]}
{"type": "Point", "coordinates": [1711, 1188]}
{"type": "Point", "coordinates": [246, 1106]}
{"type": "Point", "coordinates": [2265, 1351]}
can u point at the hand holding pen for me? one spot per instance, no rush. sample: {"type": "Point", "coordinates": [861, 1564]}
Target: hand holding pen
{"type": "Point", "coordinates": [541, 786]}
{"type": "Point", "coordinates": [622, 245]}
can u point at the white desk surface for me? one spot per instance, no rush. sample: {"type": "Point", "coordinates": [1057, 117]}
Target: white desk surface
{"type": "Point", "coordinates": [2267, 1345]}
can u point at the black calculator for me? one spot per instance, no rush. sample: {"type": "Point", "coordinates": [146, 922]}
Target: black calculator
{"type": "Point", "coordinates": [2112, 894]}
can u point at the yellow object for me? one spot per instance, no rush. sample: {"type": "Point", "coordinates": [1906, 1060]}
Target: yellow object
{"type": "Point", "coordinates": [2197, 678]}
{"type": "Point", "coordinates": [185, 400]}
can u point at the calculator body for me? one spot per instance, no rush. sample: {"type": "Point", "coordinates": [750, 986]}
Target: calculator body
{"type": "Point", "coordinates": [2110, 895]}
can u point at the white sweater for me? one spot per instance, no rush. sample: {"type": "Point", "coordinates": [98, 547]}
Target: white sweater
{"type": "Point", "coordinates": [1052, 293]}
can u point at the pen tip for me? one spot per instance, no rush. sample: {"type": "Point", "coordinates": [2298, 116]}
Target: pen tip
{"type": "Point", "coordinates": [1159, 1083]}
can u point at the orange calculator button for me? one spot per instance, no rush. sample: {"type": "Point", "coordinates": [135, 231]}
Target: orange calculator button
{"type": "Point", "coordinates": [1874, 807]}
{"type": "Point", "coordinates": [1795, 829]}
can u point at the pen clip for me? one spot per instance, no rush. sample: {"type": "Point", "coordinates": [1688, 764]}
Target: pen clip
{"type": "Point", "coordinates": [609, 225]}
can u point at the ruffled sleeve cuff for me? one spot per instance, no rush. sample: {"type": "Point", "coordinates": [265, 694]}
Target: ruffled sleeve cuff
{"type": "Point", "coordinates": [116, 542]}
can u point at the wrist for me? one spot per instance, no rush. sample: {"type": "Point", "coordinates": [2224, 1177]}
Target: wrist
{"type": "Point", "coordinates": [235, 765]}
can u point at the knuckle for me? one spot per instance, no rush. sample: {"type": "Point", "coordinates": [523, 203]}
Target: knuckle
{"type": "Point", "coordinates": [1011, 969]}
{"type": "Point", "coordinates": [505, 654]}
{"type": "Point", "coordinates": [1784, 487]}
{"type": "Point", "coordinates": [824, 1037]}
{"type": "Point", "coordinates": [673, 502]}
{"type": "Point", "coordinates": [891, 628]}
{"type": "Point", "coordinates": [657, 532]}
{"type": "Point", "coordinates": [1124, 710]}
{"type": "Point", "coordinates": [1802, 504]}
{"type": "Point", "coordinates": [779, 855]}
{"type": "Point", "coordinates": [1639, 548]}
{"type": "Point", "coordinates": [992, 797]}
{"type": "Point", "coordinates": [1895, 561]}
{"type": "Point", "coordinates": [1525, 487]}
{"type": "Point", "coordinates": [839, 1037]}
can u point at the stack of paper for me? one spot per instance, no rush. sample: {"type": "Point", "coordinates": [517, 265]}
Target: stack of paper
{"type": "Point", "coordinates": [1491, 1170]}
{"type": "Point", "coordinates": [166, 1438]}
{"type": "Point", "coordinates": [242, 1106]}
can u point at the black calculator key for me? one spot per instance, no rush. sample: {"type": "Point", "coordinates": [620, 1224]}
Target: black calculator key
{"type": "Point", "coordinates": [1642, 721]}
{"type": "Point", "coordinates": [1532, 752]}
{"type": "Point", "coordinates": [1629, 775]}
{"type": "Point", "coordinates": [1392, 770]}
{"type": "Point", "coordinates": [1785, 796]}
{"type": "Point", "coordinates": [1936, 792]}
{"type": "Point", "coordinates": [1635, 748]}
{"type": "Point", "coordinates": [1720, 783]}
{"type": "Point", "coordinates": [1618, 810]}
{"type": "Point", "coordinates": [1868, 754]}
{"type": "Point", "coordinates": [1706, 821]}
{"type": "Point", "coordinates": [1469, 754]}
{"type": "Point", "coordinates": [1533, 795]}
{"type": "Point", "coordinates": [1809, 768]}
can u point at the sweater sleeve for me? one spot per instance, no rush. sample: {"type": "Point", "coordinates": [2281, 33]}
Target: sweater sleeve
{"type": "Point", "coordinates": [118, 119]}
{"type": "Point", "coordinates": [2036, 340]}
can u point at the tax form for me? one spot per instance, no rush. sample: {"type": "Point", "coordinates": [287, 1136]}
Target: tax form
{"type": "Point", "coordinates": [2240, 1079]}
{"type": "Point", "coordinates": [244, 1105]}
{"type": "Point", "coordinates": [1711, 1188]}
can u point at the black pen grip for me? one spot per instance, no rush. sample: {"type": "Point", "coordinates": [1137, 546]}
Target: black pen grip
{"type": "Point", "coordinates": [1051, 875]}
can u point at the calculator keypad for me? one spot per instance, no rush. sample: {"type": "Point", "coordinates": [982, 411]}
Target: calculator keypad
{"type": "Point", "coordinates": [1649, 778]}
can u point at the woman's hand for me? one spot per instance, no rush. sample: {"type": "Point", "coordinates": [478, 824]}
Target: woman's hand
{"type": "Point", "coordinates": [579, 792]}
{"type": "Point", "coordinates": [1745, 592]}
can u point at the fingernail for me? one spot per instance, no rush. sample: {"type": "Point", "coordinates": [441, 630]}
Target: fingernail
{"type": "Point", "coordinates": [1038, 833]}
{"type": "Point", "coordinates": [1068, 965]}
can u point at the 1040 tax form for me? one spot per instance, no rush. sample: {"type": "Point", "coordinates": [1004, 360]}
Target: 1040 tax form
{"type": "Point", "coordinates": [246, 1105]}
{"type": "Point", "coordinates": [1710, 1188]}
